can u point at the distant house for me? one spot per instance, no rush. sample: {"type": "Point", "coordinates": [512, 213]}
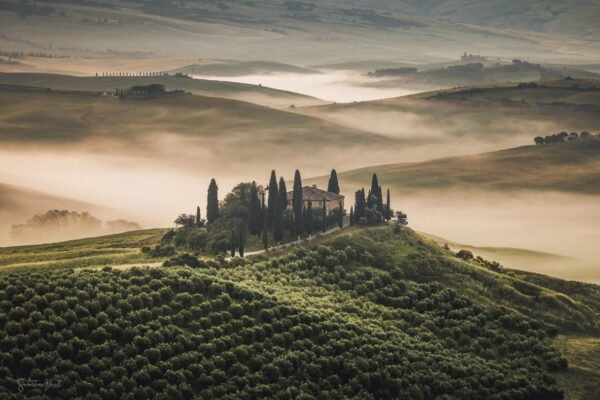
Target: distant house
{"type": "Point", "coordinates": [316, 197]}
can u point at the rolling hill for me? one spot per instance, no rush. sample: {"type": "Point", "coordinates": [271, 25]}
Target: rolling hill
{"type": "Point", "coordinates": [300, 32]}
{"type": "Point", "coordinates": [366, 298]}
{"type": "Point", "coordinates": [228, 90]}
{"type": "Point", "coordinates": [561, 167]}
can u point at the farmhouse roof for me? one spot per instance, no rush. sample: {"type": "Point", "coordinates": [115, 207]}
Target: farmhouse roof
{"type": "Point", "coordinates": [313, 193]}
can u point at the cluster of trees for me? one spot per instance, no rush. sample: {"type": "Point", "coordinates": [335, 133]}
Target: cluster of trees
{"type": "Point", "coordinates": [562, 137]}
{"type": "Point", "coordinates": [180, 333]}
{"type": "Point", "coordinates": [369, 209]}
{"type": "Point", "coordinates": [251, 210]}
{"type": "Point", "coordinates": [64, 224]}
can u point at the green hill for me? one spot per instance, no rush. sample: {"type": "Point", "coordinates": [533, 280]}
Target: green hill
{"type": "Point", "coordinates": [364, 314]}
{"type": "Point", "coordinates": [229, 90]}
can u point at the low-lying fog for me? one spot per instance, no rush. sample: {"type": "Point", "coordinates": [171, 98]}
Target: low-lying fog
{"type": "Point", "coordinates": [146, 192]}
{"type": "Point", "coordinates": [333, 86]}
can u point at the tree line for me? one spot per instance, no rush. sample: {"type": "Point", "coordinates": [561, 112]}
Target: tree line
{"type": "Point", "coordinates": [562, 137]}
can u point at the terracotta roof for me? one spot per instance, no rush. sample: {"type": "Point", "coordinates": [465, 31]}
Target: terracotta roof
{"type": "Point", "coordinates": [314, 194]}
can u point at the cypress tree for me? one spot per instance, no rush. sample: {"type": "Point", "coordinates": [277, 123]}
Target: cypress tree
{"type": "Point", "coordinates": [277, 219]}
{"type": "Point", "coordinates": [241, 244]}
{"type": "Point", "coordinates": [232, 243]}
{"type": "Point", "coordinates": [212, 204]}
{"type": "Point", "coordinates": [359, 204]}
{"type": "Point", "coordinates": [273, 191]}
{"type": "Point", "coordinates": [265, 234]}
{"type": "Point", "coordinates": [341, 216]}
{"type": "Point", "coordinates": [324, 215]}
{"type": "Point", "coordinates": [254, 218]}
{"type": "Point", "coordinates": [333, 186]}
{"type": "Point", "coordinates": [380, 200]}
{"type": "Point", "coordinates": [291, 224]}
{"type": "Point", "coordinates": [283, 192]}
{"type": "Point", "coordinates": [351, 216]}
{"type": "Point", "coordinates": [374, 185]}
{"type": "Point", "coordinates": [309, 219]}
{"type": "Point", "coordinates": [297, 203]}
{"type": "Point", "coordinates": [388, 210]}
{"type": "Point", "coordinates": [263, 211]}
{"type": "Point", "coordinates": [198, 216]}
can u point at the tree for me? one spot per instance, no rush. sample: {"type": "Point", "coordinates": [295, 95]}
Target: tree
{"type": "Point", "coordinates": [341, 216]}
{"type": "Point", "coordinates": [309, 219]}
{"type": "Point", "coordinates": [297, 203]}
{"type": "Point", "coordinates": [401, 218]}
{"type": "Point", "coordinates": [283, 192]}
{"type": "Point", "coordinates": [198, 216]}
{"type": "Point", "coordinates": [273, 191]}
{"type": "Point", "coordinates": [388, 209]}
{"type": "Point", "coordinates": [265, 235]}
{"type": "Point", "coordinates": [360, 204]}
{"type": "Point", "coordinates": [232, 243]}
{"type": "Point", "coordinates": [324, 215]}
{"type": "Point", "coordinates": [333, 186]}
{"type": "Point", "coordinates": [376, 191]}
{"type": "Point", "coordinates": [277, 219]}
{"type": "Point", "coordinates": [212, 202]}
{"type": "Point", "coordinates": [254, 219]}
{"type": "Point", "coordinates": [241, 244]}
{"type": "Point", "coordinates": [380, 201]}
{"type": "Point", "coordinates": [351, 216]}
{"type": "Point", "coordinates": [185, 220]}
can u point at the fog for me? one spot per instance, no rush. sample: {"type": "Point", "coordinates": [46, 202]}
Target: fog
{"type": "Point", "coordinates": [332, 86]}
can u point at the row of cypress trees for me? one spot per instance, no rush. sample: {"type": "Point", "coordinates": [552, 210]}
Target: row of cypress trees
{"type": "Point", "coordinates": [270, 217]}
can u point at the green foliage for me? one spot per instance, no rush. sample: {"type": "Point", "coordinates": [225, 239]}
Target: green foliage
{"type": "Point", "coordinates": [273, 191]}
{"type": "Point", "coordinates": [277, 218]}
{"type": "Point", "coordinates": [298, 204]}
{"type": "Point", "coordinates": [333, 185]}
{"type": "Point", "coordinates": [186, 220]}
{"type": "Point", "coordinates": [464, 255]}
{"type": "Point", "coordinates": [212, 202]}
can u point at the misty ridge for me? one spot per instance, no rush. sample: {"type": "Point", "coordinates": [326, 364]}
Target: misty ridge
{"type": "Point", "coordinates": [57, 225]}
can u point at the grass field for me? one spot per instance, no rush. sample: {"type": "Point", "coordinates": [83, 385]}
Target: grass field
{"type": "Point", "coordinates": [111, 250]}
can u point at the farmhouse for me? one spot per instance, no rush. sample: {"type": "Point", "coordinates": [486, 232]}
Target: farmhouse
{"type": "Point", "coordinates": [316, 197]}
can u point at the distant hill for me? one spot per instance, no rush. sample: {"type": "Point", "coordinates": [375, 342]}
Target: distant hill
{"type": "Point", "coordinates": [239, 68]}
{"type": "Point", "coordinates": [567, 167]}
{"type": "Point", "coordinates": [473, 73]}
{"type": "Point", "coordinates": [230, 90]}
{"type": "Point", "coordinates": [304, 33]}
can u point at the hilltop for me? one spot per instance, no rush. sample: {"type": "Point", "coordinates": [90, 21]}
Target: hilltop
{"type": "Point", "coordinates": [385, 293]}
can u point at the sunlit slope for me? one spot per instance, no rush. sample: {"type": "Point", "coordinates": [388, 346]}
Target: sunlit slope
{"type": "Point", "coordinates": [394, 286]}
{"type": "Point", "coordinates": [567, 167]}
{"type": "Point", "coordinates": [231, 90]}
